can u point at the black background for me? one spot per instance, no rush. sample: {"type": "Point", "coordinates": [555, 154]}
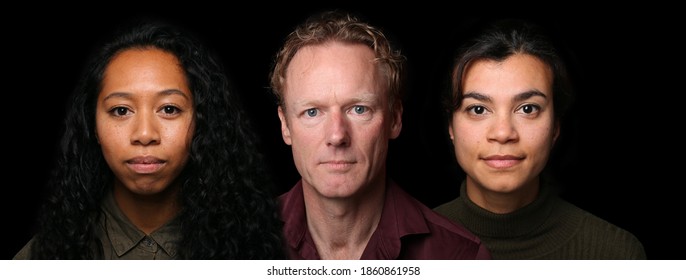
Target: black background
{"type": "Point", "coordinates": [620, 150]}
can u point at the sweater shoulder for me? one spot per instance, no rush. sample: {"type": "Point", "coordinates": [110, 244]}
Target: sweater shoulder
{"type": "Point", "coordinates": [600, 239]}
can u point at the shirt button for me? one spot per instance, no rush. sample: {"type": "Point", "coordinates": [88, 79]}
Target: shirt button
{"type": "Point", "coordinates": [148, 242]}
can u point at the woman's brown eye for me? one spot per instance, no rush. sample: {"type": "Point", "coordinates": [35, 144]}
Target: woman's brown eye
{"type": "Point", "coordinates": [120, 111]}
{"type": "Point", "coordinates": [170, 110]}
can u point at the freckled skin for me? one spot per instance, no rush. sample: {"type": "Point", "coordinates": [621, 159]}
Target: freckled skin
{"type": "Point", "coordinates": [144, 120]}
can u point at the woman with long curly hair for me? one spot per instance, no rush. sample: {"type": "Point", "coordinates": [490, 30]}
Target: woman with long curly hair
{"type": "Point", "coordinates": [157, 161]}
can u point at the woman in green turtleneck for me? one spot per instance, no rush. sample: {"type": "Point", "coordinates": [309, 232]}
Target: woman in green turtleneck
{"type": "Point", "coordinates": [508, 91]}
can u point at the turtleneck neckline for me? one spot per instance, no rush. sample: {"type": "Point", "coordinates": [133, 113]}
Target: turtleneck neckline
{"type": "Point", "coordinates": [520, 222]}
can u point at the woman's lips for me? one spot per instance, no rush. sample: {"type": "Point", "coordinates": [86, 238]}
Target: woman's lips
{"type": "Point", "coordinates": [502, 161]}
{"type": "Point", "coordinates": [145, 165]}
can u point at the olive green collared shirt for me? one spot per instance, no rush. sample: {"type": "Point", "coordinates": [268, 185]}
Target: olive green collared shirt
{"type": "Point", "coordinates": [121, 240]}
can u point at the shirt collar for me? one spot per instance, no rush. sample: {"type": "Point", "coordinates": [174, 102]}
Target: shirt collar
{"type": "Point", "coordinates": [295, 223]}
{"type": "Point", "coordinates": [124, 235]}
{"type": "Point", "coordinates": [399, 218]}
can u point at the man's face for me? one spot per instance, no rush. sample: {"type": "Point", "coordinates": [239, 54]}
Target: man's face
{"type": "Point", "coordinates": [336, 116]}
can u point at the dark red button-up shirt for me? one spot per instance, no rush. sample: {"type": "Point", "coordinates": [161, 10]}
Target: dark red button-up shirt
{"type": "Point", "coordinates": [407, 230]}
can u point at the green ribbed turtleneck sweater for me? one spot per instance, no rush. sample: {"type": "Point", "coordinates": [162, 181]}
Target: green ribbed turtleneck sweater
{"type": "Point", "coordinates": [547, 228]}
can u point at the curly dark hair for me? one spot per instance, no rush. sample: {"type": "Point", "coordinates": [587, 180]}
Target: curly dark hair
{"type": "Point", "coordinates": [228, 207]}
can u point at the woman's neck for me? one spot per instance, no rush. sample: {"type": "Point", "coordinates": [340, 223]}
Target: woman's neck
{"type": "Point", "coordinates": [502, 202]}
{"type": "Point", "coordinates": [148, 212]}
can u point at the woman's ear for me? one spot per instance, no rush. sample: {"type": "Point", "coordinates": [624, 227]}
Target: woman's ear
{"type": "Point", "coordinates": [556, 134]}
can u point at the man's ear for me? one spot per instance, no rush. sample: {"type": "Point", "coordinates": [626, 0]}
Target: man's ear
{"type": "Point", "coordinates": [397, 124]}
{"type": "Point", "coordinates": [285, 131]}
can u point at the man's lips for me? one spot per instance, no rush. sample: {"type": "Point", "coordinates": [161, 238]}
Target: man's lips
{"type": "Point", "coordinates": [337, 164]}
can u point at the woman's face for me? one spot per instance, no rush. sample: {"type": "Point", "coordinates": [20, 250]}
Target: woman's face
{"type": "Point", "coordinates": [144, 119]}
{"type": "Point", "coordinates": [505, 128]}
